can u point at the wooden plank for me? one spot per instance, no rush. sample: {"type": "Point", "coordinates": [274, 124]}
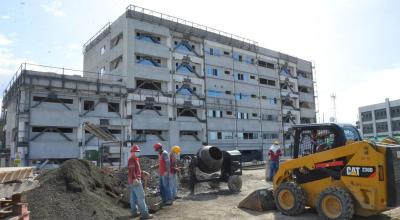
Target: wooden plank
{"type": "Point", "coordinates": [8, 174]}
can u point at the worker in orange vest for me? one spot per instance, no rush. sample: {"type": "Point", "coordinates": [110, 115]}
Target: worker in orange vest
{"type": "Point", "coordinates": [164, 167]}
{"type": "Point", "coordinates": [135, 184]}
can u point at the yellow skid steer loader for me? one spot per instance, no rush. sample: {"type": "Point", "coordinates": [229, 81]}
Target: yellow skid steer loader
{"type": "Point", "coordinates": [335, 172]}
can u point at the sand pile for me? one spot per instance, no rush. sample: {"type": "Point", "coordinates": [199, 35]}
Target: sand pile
{"type": "Point", "coordinates": [76, 190]}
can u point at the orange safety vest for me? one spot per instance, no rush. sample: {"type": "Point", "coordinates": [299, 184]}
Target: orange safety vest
{"type": "Point", "coordinates": [162, 165]}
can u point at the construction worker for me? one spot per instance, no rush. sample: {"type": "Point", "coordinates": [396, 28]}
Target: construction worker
{"type": "Point", "coordinates": [164, 171]}
{"type": "Point", "coordinates": [274, 154]}
{"type": "Point", "coordinates": [134, 180]}
{"type": "Point", "coordinates": [173, 179]}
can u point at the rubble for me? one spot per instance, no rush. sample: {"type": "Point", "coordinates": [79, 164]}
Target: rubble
{"type": "Point", "coordinates": [76, 190]}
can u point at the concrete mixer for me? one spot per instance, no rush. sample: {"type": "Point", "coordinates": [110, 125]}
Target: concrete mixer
{"type": "Point", "coordinates": [221, 166]}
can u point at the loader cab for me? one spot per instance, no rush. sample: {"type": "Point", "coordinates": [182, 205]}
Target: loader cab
{"type": "Point", "coordinates": [314, 138]}
{"type": "Point", "coordinates": [351, 133]}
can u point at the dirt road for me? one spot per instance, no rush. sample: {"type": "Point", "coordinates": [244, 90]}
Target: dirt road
{"type": "Point", "coordinates": [220, 204]}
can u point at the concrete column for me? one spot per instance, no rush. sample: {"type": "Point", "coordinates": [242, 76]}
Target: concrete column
{"type": "Point", "coordinates": [373, 122]}
{"type": "Point", "coordinates": [389, 118]}
{"type": "Point", "coordinates": [361, 124]}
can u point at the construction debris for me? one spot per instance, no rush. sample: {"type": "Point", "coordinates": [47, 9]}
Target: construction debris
{"type": "Point", "coordinates": [76, 190]}
{"type": "Point", "coordinates": [13, 182]}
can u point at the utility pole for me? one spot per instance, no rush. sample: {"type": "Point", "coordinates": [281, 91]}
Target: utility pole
{"type": "Point", "coordinates": [333, 97]}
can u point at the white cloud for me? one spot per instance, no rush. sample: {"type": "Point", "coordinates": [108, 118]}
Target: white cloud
{"type": "Point", "coordinates": [4, 40]}
{"type": "Point", "coordinates": [54, 8]}
{"type": "Point", "coordinates": [5, 17]}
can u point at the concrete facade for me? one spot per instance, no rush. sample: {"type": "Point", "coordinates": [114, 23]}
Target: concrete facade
{"type": "Point", "coordinates": [191, 85]}
{"type": "Point", "coordinates": [380, 120]}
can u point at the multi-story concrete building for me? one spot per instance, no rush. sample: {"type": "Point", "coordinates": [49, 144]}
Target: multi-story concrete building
{"type": "Point", "coordinates": [380, 120]}
{"type": "Point", "coordinates": [150, 77]}
{"type": "Point", "coordinates": [45, 112]}
{"type": "Point", "coordinates": [191, 85]}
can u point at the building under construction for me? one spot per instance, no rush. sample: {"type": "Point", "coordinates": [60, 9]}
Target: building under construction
{"type": "Point", "coordinates": [158, 78]}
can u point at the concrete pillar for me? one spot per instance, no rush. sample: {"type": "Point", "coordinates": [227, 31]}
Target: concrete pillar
{"type": "Point", "coordinates": [389, 118]}
{"type": "Point", "coordinates": [373, 122]}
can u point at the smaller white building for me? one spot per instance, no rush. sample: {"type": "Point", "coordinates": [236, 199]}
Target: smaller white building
{"type": "Point", "coordinates": [380, 120]}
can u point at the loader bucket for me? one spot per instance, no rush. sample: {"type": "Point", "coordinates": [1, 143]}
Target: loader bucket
{"type": "Point", "coordinates": [259, 200]}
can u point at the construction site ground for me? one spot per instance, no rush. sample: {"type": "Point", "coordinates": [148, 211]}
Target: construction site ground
{"type": "Point", "coordinates": [220, 204]}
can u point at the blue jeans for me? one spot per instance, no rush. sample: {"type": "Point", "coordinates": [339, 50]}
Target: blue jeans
{"type": "Point", "coordinates": [165, 190]}
{"type": "Point", "coordinates": [173, 185]}
{"type": "Point", "coordinates": [137, 198]}
{"type": "Point", "coordinates": [273, 168]}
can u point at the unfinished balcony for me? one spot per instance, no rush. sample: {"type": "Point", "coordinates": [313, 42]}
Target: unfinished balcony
{"type": "Point", "coordinates": [64, 137]}
{"type": "Point", "coordinates": [187, 92]}
{"type": "Point", "coordinates": [151, 44]}
{"type": "Point", "coordinates": [150, 115]}
{"type": "Point", "coordinates": [150, 88]}
{"type": "Point", "coordinates": [305, 79]}
{"type": "Point", "coordinates": [188, 112]}
{"type": "Point", "coordinates": [50, 107]}
{"type": "Point", "coordinates": [308, 97]}
{"type": "Point", "coordinates": [153, 68]}
{"type": "Point", "coordinates": [309, 113]}
{"type": "Point", "coordinates": [187, 47]}
{"type": "Point", "coordinates": [186, 67]}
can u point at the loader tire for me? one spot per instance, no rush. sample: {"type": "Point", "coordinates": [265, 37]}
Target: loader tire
{"type": "Point", "coordinates": [290, 198]}
{"type": "Point", "coordinates": [235, 183]}
{"type": "Point", "coordinates": [335, 203]}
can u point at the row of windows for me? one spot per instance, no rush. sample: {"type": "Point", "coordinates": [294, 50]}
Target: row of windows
{"type": "Point", "coordinates": [380, 114]}
{"type": "Point", "coordinates": [241, 96]}
{"type": "Point", "coordinates": [212, 71]}
{"type": "Point", "coordinates": [239, 57]}
{"type": "Point", "coordinates": [87, 105]}
{"type": "Point", "coordinates": [381, 127]}
{"type": "Point", "coordinates": [52, 129]}
{"type": "Point", "coordinates": [226, 135]}
{"type": "Point", "coordinates": [240, 115]}
{"type": "Point", "coordinates": [90, 106]}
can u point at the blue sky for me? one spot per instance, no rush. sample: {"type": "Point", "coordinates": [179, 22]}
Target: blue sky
{"type": "Point", "coordinates": [355, 44]}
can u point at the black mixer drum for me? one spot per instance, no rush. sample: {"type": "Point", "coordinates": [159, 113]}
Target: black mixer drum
{"type": "Point", "coordinates": [209, 159]}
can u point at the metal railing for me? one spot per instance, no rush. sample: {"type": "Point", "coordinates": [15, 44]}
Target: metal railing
{"type": "Point", "coordinates": [56, 70]}
{"type": "Point", "coordinates": [188, 23]}
{"type": "Point", "coordinates": [105, 27]}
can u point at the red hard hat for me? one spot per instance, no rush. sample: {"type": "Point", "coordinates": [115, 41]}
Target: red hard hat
{"type": "Point", "coordinates": [135, 148]}
{"type": "Point", "coordinates": [157, 146]}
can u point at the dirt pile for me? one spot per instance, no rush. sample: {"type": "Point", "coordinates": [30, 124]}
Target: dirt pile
{"type": "Point", "coordinates": [76, 190]}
